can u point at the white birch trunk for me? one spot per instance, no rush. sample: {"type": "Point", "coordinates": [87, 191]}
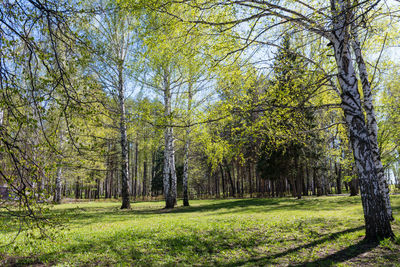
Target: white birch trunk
{"type": "Point", "coordinates": [186, 170]}
{"type": "Point", "coordinates": [166, 172]}
{"type": "Point", "coordinates": [57, 193]}
{"type": "Point", "coordinates": [371, 122]}
{"type": "Point", "coordinates": [173, 185]}
{"type": "Point", "coordinates": [169, 179]}
{"type": "Point", "coordinates": [377, 222]}
{"type": "Point", "coordinates": [124, 142]}
{"type": "Point", "coordinates": [186, 152]}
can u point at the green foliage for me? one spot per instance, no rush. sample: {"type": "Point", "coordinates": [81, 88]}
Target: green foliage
{"type": "Point", "coordinates": [157, 181]}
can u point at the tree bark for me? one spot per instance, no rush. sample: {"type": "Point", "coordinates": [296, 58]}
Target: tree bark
{"type": "Point", "coordinates": [58, 186]}
{"type": "Point", "coordinates": [144, 193]}
{"type": "Point", "coordinates": [77, 189]}
{"type": "Point", "coordinates": [250, 180]}
{"type": "Point", "coordinates": [57, 193]}
{"type": "Point", "coordinates": [377, 221]}
{"type": "Point", "coordinates": [216, 181]}
{"type": "Point", "coordinates": [124, 141]}
{"type": "Point", "coordinates": [186, 152]}
{"type": "Point", "coordinates": [169, 179]}
{"type": "Point", "coordinates": [299, 182]}
{"type": "Point", "coordinates": [222, 180]}
{"type": "Point", "coordinates": [371, 122]}
{"type": "Point", "coordinates": [353, 187]}
{"type": "Point", "coordinates": [185, 171]}
{"type": "Point", "coordinates": [338, 168]}
{"type": "Point", "coordinates": [135, 173]}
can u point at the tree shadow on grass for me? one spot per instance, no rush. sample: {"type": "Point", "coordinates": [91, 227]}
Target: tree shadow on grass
{"type": "Point", "coordinates": [95, 214]}
{"type": "Point", "coordinates": [343, 255]}
{"type": "Point", "coordinates": [129, 255]}
{"type": "Point", "coordinates": [270, 204]}
{"type": "Point", "coordinates": [127, 247]}
{"type": "Point", "coordinates": [220, 207]}
{"type": "Point", "coordinates": [241, 205]}
{"type": "Point", "coordinates": [331, 237]}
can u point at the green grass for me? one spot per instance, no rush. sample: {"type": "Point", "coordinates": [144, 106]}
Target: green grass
{"type": "Point", "coordinates": [246, 232]}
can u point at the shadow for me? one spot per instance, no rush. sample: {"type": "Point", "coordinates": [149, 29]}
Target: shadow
{"type": "Point", "coordinates": [98, 245]}
{"type": "Point", "coordinates": [131, 246]}
{"type": "Point", "coordinates": [110, 214]}
{"type": "Point", "coordinates": [93, 214]}
{"type": "Point", "coordinates": [219, 207]}
{"type": "Point", "coordinates": [267, 259]}
{"type": "Point", "coordinates": [180, 243]}
{"type": "Point", "coordinates": [8, 225]}
{"type": "Point", "coordinates": [344, 255]}
{"type": "Point", "coordinates": [128, 247]}
{"type": "Point", "coordinates": [242, 204]}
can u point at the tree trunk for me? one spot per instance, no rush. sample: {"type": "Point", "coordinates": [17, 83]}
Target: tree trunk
{"type": "Point", "coordinates": [353, 187]}
{"type": "Point", "coordinates": [222, 180]}
{"type": "Point", "coordinates": [250, 181]}
{"type": "Point", "coordinates": [304, 180]}
{"type": "Point", "coordinates": [124, 142]}
{"type": "Point", "coordinates": [171, 193]}
{"type": "Point", "coordinates": [230, 178]}
{"type": "Point", "coordinates": [77, 189]}
{"type": "Point", "coordinates": [186, 152]}
{"type": "Point", "coordinates": [152, 172]}
{"type": "Point", "coordinates": [371, 122]}
{"type": "Point", "coordinates": [307, 177]}
{"type": "Point", "coordinates": [317, 183]}
{"type": "Point", "coordinates": [314, 182]}
{"type": "Point", "coordinates": [299, 183]}
{"type": "Point", "coordinates": [57, 193]}
{"type": "Point", "coordinates": [216, 180]}
{"type": "Point", "coordinates": [144, 178]}
{"type": "Point", "coordinates": [186, 168]}
{"type": "Point", "coordinates": [235, 177]}
{"type": "Point", "coordinates": [135, 173]}
{"type": "Point", "coordinates": [58, 187]}
{"type": "Point", "coordinates": [169, 175]}
{"type": "Point", "coordinates": [377, 221]}
{"type": "Point", "coordinates": [242, 173]}
{"type": "Point", "coordinates": [98, 188]}
{"type": "Point", "coordinates": [338, 168]}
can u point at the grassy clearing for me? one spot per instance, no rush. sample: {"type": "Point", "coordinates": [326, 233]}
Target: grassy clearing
{"type": "Point", "coordinates": [245, 232]}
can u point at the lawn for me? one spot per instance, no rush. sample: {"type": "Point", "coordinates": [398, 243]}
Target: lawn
{"type": "Point", "coordinates": [234, 232]}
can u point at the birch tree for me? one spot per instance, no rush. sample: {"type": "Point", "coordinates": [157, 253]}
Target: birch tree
{"type": "Point", "coordinates": [161, 76]}
{"type": "Point", "coordinates": [169, 174]}
{"type": "Point", "coordinates": [172, 71]}
{"type": "Point", "coordinates": [187, 149]}
{"type": "Point", "coordinates": [58, 185]}
{"type": "Point", "coordinates": [111, 33]}
{"type": "Point", "coordinates": [371, 119]}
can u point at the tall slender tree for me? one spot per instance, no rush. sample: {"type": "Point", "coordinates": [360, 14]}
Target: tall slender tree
{"type": "Point", "coordinates": [112, 35]}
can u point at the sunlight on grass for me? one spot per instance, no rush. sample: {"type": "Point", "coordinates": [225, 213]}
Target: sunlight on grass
{"type": "Point", "coordinates": [210, 232]}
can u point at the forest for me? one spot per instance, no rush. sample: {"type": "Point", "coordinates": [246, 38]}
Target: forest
{"type": "Point", "coordinates": [199, 132]}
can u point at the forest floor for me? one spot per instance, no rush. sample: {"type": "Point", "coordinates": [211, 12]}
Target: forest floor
{"type": "Point", "coordinates": [321, 231]}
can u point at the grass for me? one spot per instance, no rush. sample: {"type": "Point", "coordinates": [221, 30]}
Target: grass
{"type": "Point", "coordinates": [244, 232]}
